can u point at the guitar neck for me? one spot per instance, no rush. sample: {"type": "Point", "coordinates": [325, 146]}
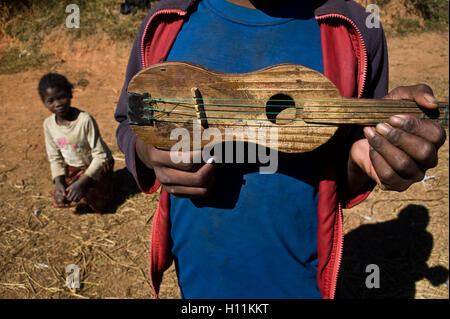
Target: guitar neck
{"type": "Point", "coordinates": [368, 111]}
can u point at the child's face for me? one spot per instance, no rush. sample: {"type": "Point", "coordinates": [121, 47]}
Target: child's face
{"type": "Point", "coordinates": [57, 101]}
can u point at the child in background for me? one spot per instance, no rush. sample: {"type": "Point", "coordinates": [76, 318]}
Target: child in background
{"type": "Point", "coordinates": [81, 163]}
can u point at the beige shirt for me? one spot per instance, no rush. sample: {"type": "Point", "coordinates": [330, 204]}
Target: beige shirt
{"type": "Point", "coordinates": [78, 144]}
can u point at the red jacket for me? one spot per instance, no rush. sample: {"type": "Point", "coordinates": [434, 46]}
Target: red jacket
{"type": "Point", "coordinates": [355, 60]}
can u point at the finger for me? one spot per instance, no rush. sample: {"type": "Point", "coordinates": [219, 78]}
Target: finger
{"type": "Point", "coordinates": [186, 161]}
{"type": "Point", "coordinates": [75, 196]}
{"type": "Point", "coordinates": [422, 94]}
{"type": "Point", "coordinates": [186, 191]}
{"type": "Point", "coordinates": [152, 156]}
{"type": "Point", "coordinates": [427, 129]}
{"type": "Point", "coordinates": [201, 178]}
{"type": "Point", "coordinates": [416, 147]}
{"type": "Point", "coordinates": [388, 178]}
{"type": "Point", "coordinates": [70, 196]}
{"type": "Point", "coordinates": [70, 193]}
{"type": "Point", "coordinates": [397, 159]}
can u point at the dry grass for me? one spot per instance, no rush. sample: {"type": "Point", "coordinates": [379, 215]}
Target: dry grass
{"type": "Point", "coordinates": [36, 248]}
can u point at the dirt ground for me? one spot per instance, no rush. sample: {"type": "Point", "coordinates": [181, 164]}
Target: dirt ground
{"type": "Point", "coordinates": [405, 234]}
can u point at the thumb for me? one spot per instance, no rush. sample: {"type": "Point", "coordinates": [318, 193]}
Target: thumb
{"type": "Point", "coordinates": [424, 96]}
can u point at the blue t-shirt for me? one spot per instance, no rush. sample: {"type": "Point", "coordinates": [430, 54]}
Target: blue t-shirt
{"type": "Point", "coordinates": [255, 235]}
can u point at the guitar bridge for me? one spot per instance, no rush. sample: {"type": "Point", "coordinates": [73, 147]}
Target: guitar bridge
{"type": "Point", "coordinates": [199, 108]}
{"type": "Point", "coordinates": [140, 111]}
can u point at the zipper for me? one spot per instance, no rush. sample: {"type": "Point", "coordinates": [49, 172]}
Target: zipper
{"type": "Point", "coordinates": [152, 233]}
{"type": "Point", "coordinates": [156, 215]}
{"type": "Point", "coordinates": [339, 247]}
{"type": "Point", "coordinates": [155, 294]}
{"type": "Point", "coordinates": [181, 13]}
{"type": "Point", "coordinates": [361, 86]}
{"type": "Point", "coordinates": [362, 81]}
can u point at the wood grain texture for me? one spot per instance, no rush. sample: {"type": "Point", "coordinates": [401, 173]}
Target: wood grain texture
{"type": "Point", "coordinates": [309, 115]}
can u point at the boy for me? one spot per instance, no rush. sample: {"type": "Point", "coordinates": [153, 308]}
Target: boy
{"type": "Point", "coordinates": [234, 233]}
{"type": "Point", "coordinates": [80, 161]}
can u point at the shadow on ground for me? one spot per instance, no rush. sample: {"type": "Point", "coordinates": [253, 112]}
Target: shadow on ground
{"type": "Point", "coordinates": [124, 186]}
{"type": "Point", "coordinates": [400, 248]}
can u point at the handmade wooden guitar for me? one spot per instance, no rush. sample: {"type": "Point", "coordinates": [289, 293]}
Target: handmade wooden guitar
{"type": "Point", "coordinates": [303, 104]}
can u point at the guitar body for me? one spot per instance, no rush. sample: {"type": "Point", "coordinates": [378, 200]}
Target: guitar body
{"type": "Point", "coordinates": [252, 101]}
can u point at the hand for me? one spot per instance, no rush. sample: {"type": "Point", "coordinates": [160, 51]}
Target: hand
{"type": "Point", "coordinates": [60, 190]}
{"type": "Point", "coordinates": [190, 180]}
{"type": "Point", "coordinates": [77, 190]}
{"type": "Point", "coordinates": [397, 154]}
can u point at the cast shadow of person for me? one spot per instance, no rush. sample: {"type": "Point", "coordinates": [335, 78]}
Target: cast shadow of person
{"type": "Point", "coordinates": [400, 248]}
{"type": "Point", "coordinates": [123, 187]}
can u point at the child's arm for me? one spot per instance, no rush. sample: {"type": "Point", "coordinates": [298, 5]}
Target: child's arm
{"type": "Point", "coordinates": [57, 164]}
{"type": "Point", "coordinates": [99, 150]}
{"type": "Point", "coordinates": [397, 154]}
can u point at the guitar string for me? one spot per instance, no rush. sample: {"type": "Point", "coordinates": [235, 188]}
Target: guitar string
{"type": "Point", "coordinates": [411, 108]}
{"type": "Point", "coordinates": [344, 113]}
{"type": "Point", "coordinates": [385, 102]}
{"type": "Point", "coordinates": [314, 125]}
{"type": "Point", "coordinates": [285, 113]}
{"type": "Point", "coordinates": [406, 108]}
{"type": "Point", "coordinates": [282, 105]}
{"type": "Point", "coordinates": [325, 120]}
{"type": "Point", "coordinates": [351, 100]}
{"type": "Point", "coordinates": [350, 117]}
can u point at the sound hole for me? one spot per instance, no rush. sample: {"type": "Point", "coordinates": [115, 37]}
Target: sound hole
{"type": "Point", "coordinates": [280, 109]}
